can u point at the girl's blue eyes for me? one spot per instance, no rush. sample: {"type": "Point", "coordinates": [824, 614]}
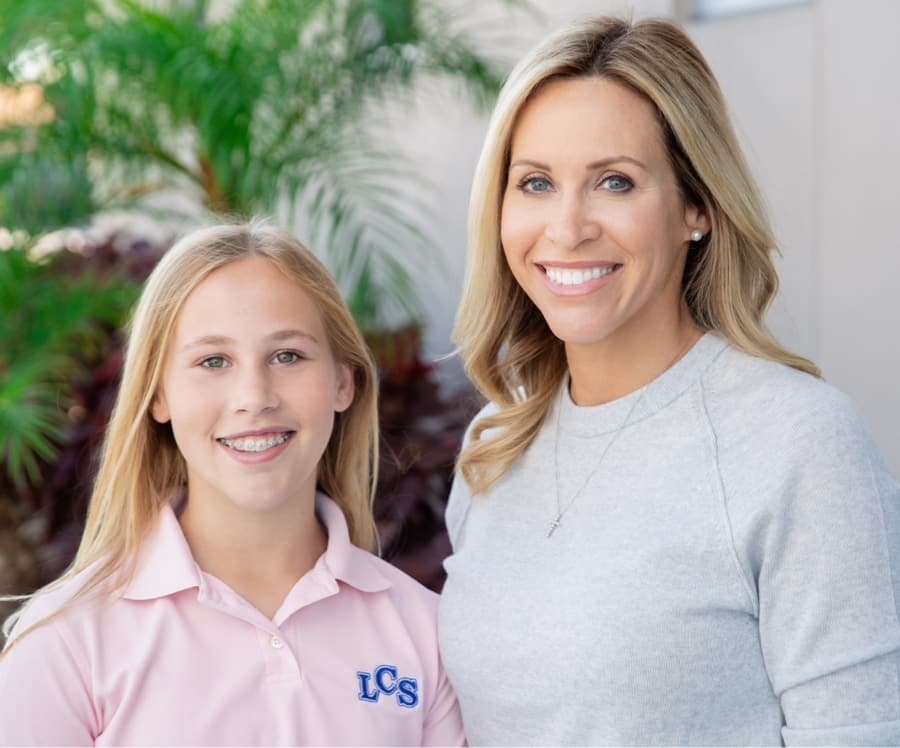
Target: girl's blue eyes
{"type": "Point", "coordinates": [613, 183]}
{"type": "Point", "coordinates": [213, 362]}
{"type": "Point", "coordinates": [286, 357]}
{"type": "Point", "coordinates": [282, 357]}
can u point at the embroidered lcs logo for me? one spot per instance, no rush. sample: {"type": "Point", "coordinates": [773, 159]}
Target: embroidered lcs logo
{"type": "Point", "coordinates": [384, 680]}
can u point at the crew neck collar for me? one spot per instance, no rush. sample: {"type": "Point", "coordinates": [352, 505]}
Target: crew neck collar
{"type": "Point", "coordinates": [657, 394]}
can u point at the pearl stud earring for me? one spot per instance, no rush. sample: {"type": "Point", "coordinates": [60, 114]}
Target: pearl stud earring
{"type": "Point", "coordinates": [696, 235]}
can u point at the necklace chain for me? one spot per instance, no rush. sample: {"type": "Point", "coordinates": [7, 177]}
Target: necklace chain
{"type": "Point", "coordinates": [561, 510]}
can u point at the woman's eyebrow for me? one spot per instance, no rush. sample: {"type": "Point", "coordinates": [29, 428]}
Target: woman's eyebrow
{"type": "Point", "coordinates": [592, 165]}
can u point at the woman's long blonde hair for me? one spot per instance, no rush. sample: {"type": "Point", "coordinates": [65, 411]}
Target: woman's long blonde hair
{"type": "Point", "coordinates": [507, 349]}
{"type": "Point", "coordinates": [141, 467]}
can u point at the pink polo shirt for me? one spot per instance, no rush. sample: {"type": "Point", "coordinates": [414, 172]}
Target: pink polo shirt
{"type": "Point", "coordinates": [350, 658]}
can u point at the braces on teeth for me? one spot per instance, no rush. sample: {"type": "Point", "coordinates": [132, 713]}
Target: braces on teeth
{"type": "Point", "coordinates": [250, 444]}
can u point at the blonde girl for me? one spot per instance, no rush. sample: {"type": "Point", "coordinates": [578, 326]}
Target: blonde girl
{"type": "Point", "coordinates": [223, 591]}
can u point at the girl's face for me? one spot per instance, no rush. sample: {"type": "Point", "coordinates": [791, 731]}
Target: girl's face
{"type": "Point", "coordinates": [251, 387]}
{"type": "Point", "coordinates": [593, 226]}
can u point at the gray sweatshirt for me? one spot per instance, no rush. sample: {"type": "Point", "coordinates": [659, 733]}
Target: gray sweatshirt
{"type": "Point", "coordinates": [728, 576]}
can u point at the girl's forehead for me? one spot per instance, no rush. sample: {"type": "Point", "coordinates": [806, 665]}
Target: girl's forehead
{"type": "Point", "coordinates": [250, 296]}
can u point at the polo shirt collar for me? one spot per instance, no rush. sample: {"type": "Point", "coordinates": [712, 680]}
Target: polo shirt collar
{"type": "Point", "coordinates": [345, 561]}
{"type": "Point", "coordinates": [166, 566]}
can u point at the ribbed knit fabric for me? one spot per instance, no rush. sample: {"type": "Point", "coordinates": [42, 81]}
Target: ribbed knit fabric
{"type": "Point", "coordinates": [729, 576]}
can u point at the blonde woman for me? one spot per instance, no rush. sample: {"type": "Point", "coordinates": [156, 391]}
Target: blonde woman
{"type": "Point", "coordinates": [667, 530]}
{"type": "Point", "coordinates": [223, 592]}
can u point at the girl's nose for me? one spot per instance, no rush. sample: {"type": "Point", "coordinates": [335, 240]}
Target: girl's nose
{"type": "Point", "coordinates": [254, 391]}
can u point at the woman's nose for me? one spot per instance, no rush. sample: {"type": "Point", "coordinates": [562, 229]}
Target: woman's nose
{"type": "Point", "coordinates": [571, 222]}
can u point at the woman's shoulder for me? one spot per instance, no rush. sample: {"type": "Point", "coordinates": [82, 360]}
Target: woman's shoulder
{"type": "Point", "coordinates": [751, 392]}
{"type": "Point", "coordinates": [490, 408]}
{"type": "Point", "coordinates": [770, 418]}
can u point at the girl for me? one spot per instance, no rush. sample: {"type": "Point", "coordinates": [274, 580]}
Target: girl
{"type": "Point", "coordinates": [666, 529]}
{"type": "Point", "coordinates": [222, 592]}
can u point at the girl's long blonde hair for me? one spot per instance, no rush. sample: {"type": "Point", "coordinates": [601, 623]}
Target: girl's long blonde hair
{"type": "Point", "coordinates": [507, 349]}
{"type": "Point", "coordinates": [141, 467]}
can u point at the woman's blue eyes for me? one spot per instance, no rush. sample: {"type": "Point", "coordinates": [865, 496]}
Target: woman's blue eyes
{"type": "Point", "coordinates": [534, 184]}
{"type": "Point", "coordinates": [613, 183]}
{"type": "Point", "coordinates": [617, 183]}
{"type": "Point", "coordinates": [213, 362]}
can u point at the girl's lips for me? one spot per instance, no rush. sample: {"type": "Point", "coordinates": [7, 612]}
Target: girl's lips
{"type": "Point", "coordinates": [257, 433]}
{"type": "Point", "coordinates": [253, 450]}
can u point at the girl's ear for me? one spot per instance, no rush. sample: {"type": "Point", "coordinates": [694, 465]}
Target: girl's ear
{"type": "Point", "coordinates": [344, 393]}
{"type": "Point", "coordinates": [159, 409]}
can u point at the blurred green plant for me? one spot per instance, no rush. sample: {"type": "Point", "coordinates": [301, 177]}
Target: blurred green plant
{"type": "Point", "coordinates": [251, 106]}
{"type": "Point", "coordinates": [52, 325]}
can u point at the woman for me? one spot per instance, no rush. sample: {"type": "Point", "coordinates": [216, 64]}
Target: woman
{"type": "Point", "coordinates": [666, 528]}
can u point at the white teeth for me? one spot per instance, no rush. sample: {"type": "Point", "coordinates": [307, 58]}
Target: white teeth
{"type": "Point", "coordinates": [577, 277]}
{"type": "Point", "coordinates": [250, 444]}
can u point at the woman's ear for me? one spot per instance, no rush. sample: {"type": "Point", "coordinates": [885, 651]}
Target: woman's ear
{"type": "Point", "coordinates": [344, 392]}
{"type": "Point", "coordinates": [695, 219]}
{"type": "Point", "coordinates": [159, 409]}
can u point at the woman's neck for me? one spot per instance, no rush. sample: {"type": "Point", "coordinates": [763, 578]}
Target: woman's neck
{"type": "Point", "coordinates": [612, 368]}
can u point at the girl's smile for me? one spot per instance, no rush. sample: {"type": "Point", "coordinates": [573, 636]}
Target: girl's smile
{"type": "Point", "coordinates": [251, 389]}
{"type": "Point", "coordinates": [254, 447]}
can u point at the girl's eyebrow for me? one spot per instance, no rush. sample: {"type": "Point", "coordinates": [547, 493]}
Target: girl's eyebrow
{"type": "Point", "coordinates": [276, 337]}
{"type": "Point", "coordinates": [593, 165]}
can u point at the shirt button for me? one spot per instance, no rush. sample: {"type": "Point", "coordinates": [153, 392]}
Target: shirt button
{"type": "Point", "coordinates": [276, 642]}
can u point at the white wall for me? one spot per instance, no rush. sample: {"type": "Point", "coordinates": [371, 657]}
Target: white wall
{"type": "Point", "coordinates": [859, 302]}
{"type": "Point", "coordinates": [815, 95]}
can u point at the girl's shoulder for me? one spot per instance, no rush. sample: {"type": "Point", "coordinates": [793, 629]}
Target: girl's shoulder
{"type": "Point", "coordinates": [364, 571]}
{"type": "Point", "coordinates": [61, 599]}
{"type": "Point", "coordinates": [404, 587]}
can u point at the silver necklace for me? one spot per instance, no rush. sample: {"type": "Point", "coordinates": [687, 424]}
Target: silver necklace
{"type": "Point", "coordinates": [561, 510]}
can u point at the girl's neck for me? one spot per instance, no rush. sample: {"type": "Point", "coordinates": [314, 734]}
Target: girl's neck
{"type": "Point", "coordinates": [260, 555]}
{"type": "Point", "coordinates": [627, 360]}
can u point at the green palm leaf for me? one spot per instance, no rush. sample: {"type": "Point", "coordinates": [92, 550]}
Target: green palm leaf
{"type": "Point", "coordinates": [261, 110]}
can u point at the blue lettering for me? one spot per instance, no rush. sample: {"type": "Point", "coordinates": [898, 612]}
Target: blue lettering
{"type": "Point", "coordinates": [407, 692]}
{"type": "Point", "coordinates": [364, 693]}
{"type": "Point", "coordinates": [379, 679]}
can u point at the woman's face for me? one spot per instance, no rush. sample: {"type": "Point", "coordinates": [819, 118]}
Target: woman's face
{"type": "Point", "coordinates": [593, 225]}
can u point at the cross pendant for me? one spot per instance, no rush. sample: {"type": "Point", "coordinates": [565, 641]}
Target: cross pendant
{"type": "Point", "coordinates": [554, 524]}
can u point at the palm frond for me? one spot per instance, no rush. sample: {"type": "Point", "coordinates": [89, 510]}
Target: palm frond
{"type": "Point", "coordinates": [246, 109]}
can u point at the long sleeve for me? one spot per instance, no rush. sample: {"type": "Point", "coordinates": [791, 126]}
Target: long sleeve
{"type": "Point", "coordinates": [45, 694]}
{"type": "Point", "coordinates": [730, 576]}
{"type": "Point", "coordinates": [822, 531]}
